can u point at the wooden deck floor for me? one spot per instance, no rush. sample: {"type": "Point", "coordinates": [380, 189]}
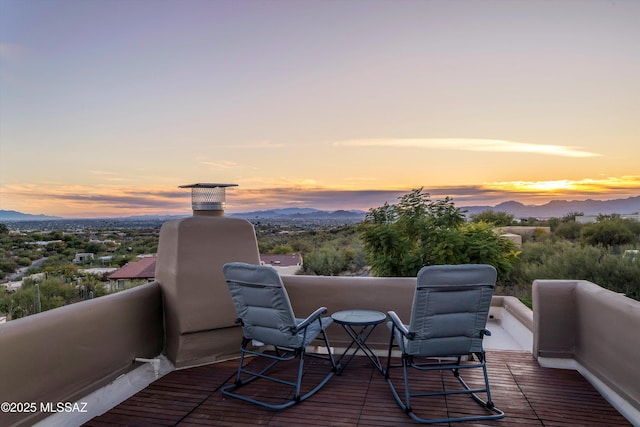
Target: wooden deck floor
{"type": "Point", "coordinates": [529, 395]}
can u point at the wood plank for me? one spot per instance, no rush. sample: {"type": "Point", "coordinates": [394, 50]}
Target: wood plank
{"type": "Point", "coordinates": [529, 394]}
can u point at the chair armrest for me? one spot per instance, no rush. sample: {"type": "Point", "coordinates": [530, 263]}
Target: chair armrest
{"type": "Point", "coordinates": [397, 323]}
{"type": "Point", "coordinates": [312, 318]}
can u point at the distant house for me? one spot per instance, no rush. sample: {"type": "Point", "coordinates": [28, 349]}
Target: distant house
{"type": "Point", "coordinates": [590, 219]}
{"type": "Point", "coordinates": [515, 238]}
{"type": "Point", "coordinates": [106, 260]}
{"type": "Point", "coordinates": [142, 270]}
{"type": "Point", "coordinates": [287, 264]}
{"type": "Point", "coordinates": [10, 287]}
{"type": "Point", "coordinates": [44, 242]}
{"type": "Point", "coordinates": [515, 232]}
{"type": "Point", "coordinates": [81, 257]}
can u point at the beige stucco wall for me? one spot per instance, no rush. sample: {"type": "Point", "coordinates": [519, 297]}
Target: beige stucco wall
{"type": "Point", "coordinates": [598, 328]}
{"type": "Point", "coordinates": [63, 354]}
{"type": "Point", "coordinates": [337, 293]}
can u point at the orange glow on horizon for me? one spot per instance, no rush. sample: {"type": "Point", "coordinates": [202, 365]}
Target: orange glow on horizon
{"type": "Point", "coordinates": [539, 186]}
{"type": "Point", "coordinates": [592, 186]}
{"type": "Point", "coordinates": [87, 201]}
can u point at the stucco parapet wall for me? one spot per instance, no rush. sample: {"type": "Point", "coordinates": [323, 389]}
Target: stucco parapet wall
{"type": "Point", "coordinates": [516, 308]}
{"type": "Point", "coordinates": [523, 230]}
{"type": "Point", "coordinates": [337, 293]}
{"type": "Point", "coordinates": [597, 329]}
{"type": "Point", "coordinates": [63, 354]}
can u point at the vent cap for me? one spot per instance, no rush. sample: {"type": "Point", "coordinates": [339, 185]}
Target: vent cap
{"type": "Point", "coordinates": [208, 196]}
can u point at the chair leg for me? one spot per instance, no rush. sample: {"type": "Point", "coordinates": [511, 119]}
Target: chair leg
{"type": "Point", "coordinates": [386, 371]}
{"type": "Point", "coordinates": [242, 353]}
{"type": "Point", "coordinates": [406, 404]}
{"type": "Point", "coordinates": [263, 374]}
{"type": "Point", "coordinates": [334, 366]}
{"type": "Point", "coordinates": [405, 374]}
{"type": "Point", "coordinates": [333, 370]}
{"type": "Point", "coordinates": [299, 381]}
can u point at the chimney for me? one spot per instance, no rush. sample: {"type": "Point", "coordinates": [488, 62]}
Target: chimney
{"type": "Point", "coordinates": [198, 311]}
{"type": "Point", "coordinates": [207, 198]}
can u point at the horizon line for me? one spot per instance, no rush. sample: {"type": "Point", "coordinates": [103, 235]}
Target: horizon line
{"type": "Point", "coordinates": [108, 201]}
{"type": "Point", "coordinates": [330, 210]}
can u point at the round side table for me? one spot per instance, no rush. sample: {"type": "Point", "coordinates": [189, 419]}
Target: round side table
{"type": "Point", "coordinates": [359, 324]}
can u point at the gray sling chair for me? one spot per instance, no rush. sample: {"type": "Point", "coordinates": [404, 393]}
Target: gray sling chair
{"type": "Point", "coordinates": [448, 318]}
{"type": "Point", "coordinates": [266, 315]}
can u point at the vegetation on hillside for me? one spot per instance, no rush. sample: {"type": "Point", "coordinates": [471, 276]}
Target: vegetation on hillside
{"type": "Point", "coordinates": [326, 250]}
{"type": "Point", "coordinates": [57, 280]}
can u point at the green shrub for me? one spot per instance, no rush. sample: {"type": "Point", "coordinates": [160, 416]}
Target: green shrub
{"type": "Point", "coordinates": [326, 261]}
{"type": "Point", "coordinates": [601, 265]}
{"type": "Point", "coordinates": [608, 233]}
{"type": "Point", "coordinates": [402, 238]}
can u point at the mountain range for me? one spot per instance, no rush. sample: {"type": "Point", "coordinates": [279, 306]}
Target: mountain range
{"type": "Point", "coordinates": [302, 213]}
{"type": "Point", "coordinates": [560, 208]}
{"type": "Point", "coordinates": [19, 216]}
{"type": "Point", "coordinates": [555, 208]}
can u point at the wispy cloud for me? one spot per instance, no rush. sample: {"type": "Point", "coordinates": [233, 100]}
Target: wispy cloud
{"type": "Point", "coordinates": [109, 176]}
{"type": "Point", "coordinates": [467, 144]}
{"type": "Point", "coordinates": [224, 164]}
{"type": "Point", "coordinates": [291, 183]}
{"type": "Point", "coordinates": [96, 201]}
{"type": "Point", "coordinates": [256, 145]}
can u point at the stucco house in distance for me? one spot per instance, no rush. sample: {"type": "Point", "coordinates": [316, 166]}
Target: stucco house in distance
{"type": "Point", "coordinates": [287, 264]}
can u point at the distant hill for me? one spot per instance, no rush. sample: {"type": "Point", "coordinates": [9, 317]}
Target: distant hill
{"type": "Point", "coordinates": [302, 214]}
{"type": "Point", "coordinates": [149, 217]}
{"type": "Point", "coordinates": [560, 208]}
{"type": "Point", "coordinates": [19, 216]}
{"type": "Point", "coordinates": [555, 208]}
{"type": "Point", "coordinates": [276, 213]}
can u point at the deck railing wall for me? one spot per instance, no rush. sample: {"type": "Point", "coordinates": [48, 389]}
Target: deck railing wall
{"type": "Point", "coordinates": [64, 354]}
{"type": "Point", "coordinates": [598, 328]}
{"type": "Point", "coordinates": [337, 293]}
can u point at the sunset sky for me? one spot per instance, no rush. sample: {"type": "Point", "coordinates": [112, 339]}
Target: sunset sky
{"type": "Point", "coordinates": [107, 106]}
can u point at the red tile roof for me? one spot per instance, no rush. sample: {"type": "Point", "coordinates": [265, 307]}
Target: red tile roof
{"type": "Point", "coordinates": [145, 268]}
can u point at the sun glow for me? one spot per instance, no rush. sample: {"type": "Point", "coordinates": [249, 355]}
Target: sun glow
{"type": "Point", "coordinates": [538, 186]}
{"type": "Point", "coordinates": [565, 186]}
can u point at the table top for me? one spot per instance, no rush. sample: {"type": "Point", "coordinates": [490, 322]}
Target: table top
{"type": "Point", "coordinates": [359, 317]}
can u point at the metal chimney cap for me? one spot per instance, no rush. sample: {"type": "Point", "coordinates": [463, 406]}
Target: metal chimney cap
{"type": "Point", "coordinates": [207, 185]}
{"type": "Point", "coordinates": [208, 196]}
